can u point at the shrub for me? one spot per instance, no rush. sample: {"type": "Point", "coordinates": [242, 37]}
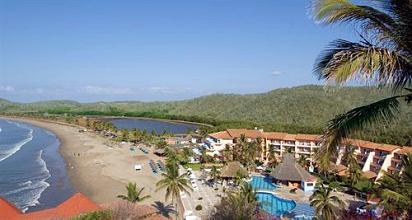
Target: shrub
{"type": "Point", "coordinates": [198, 207]}
{"type": "Point", "coordinates": [101, 215]}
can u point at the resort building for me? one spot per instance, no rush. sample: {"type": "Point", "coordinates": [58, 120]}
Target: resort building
{"type": "Point", "coordinates": [297, 144]}
{"type": "Point", "coordinates": [374, 159]}
{"type": "Point", "coordinates": [396, 161]}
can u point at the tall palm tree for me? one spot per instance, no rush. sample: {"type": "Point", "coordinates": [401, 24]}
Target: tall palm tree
{"type": "Point", "coordinates": [134, 193]}
{"type": "Point", "coordinates": [382, 57]}
{"type": "Point", "coordinates": [349, 157]}
{"type": "Point", "coordinates": [214, 173]}
{"type": "Point", "coordinates": [259, 149]}
{"type": "Point", "coordinates": [247, 191]}
{"type": "Point", "coordinates": [327, 206]}
{"type": "Point", "coordinates": [395, 190]}
{"type": "Point", "coordinates": [271, 156]}
{"type": "Point", "coordinates": [238, 205]}
{"type": "Point", "coordinates": [240, 148]}
{"type": "Point", "coordinates": [350, 160]}
{"type": "Point", "coordinates": [302, 160]}
{"type": "Point", "coordinates": [173, 183]}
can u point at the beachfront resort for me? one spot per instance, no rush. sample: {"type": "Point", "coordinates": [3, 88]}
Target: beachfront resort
{"type": "Point", "coordinates": [280, 168]}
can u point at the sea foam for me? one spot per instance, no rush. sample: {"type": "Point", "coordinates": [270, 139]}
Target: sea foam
{"type": "Point", "coordinates": [4, 154]}
{"type": "Point", "coordinates": [30, 191]}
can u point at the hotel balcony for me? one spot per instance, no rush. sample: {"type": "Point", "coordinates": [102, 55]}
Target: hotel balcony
{"type": "Point", "coordinates": [375, 168]}
{"type": "Point", "coordinates": [290, 143]}
{"type": "Point", "coordinates": [303, 150]}
{"type": "Point", "coordinates": [304, 144]}
{"type": "Point", "coordinates": [275, 142]}
{"type": "Point", "coordinates": [361, 158]}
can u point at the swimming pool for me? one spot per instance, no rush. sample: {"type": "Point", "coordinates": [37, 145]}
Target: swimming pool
{"type": "Point", "coordinates": [262, 183]}
{"type": "Point", "coordinates": [274, 205]}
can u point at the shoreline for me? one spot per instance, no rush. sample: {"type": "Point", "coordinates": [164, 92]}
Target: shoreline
{"type": "Point", "coordinates": [94, 168]}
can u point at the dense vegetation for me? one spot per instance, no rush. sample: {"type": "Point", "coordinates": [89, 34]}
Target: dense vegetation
{"type": "Point", "coordinates": [304, 109]}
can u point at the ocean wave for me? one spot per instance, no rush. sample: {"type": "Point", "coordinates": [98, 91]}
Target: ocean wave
{"type": "Point", "coordinates": [4, 154]}
{"type": "Point", "coordinates": [30, 191]}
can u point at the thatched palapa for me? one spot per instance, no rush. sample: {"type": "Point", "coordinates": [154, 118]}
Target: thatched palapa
{"type": "Point", "coordinates": [231, 170]}
{"type": "Point", "coordinates": [289, 170]}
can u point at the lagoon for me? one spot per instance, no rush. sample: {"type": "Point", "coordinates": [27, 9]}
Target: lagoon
{"type": "Point", "coordinates": [149, 125]}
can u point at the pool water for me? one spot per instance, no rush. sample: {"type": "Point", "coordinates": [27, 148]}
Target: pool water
{"type": "Point", "coordinates": [262, 183]}
{"type": "Point", "coordinates": [274, 205]}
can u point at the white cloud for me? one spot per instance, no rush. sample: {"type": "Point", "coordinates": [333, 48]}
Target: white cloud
{"type": "Point", "coordinates": [276, 73]}
{"type": "Point", "coordinates": [99, 90]}
{"type": "Point", "coordinates": [6, 88]}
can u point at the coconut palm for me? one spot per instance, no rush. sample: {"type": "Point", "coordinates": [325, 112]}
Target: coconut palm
{"type": "Point", "coordinates": [239, 205]}
{"type": "Point", "coordinates": [302, 160]}
{"type": "Point", "coordinates": [395, 190]}
{"type": "Point", "coordinates": [327, 206]}
{"type": "Point", "coordinates": [247, 191]}
{"type": "Point", "coordinates": [382, 57]}
{"type": "Point", "coordinates": [271, 156]}
{"type": "Point", "coordinates": [134, 193]}
{"type": "Point", "coordinates": [349, 157]}
{"type": "Point", "coordinates": [214, 173]}
{"type": "Point", "coordinates": [240, 148]}
{"type": "Point", "coordinates": [173, 183]}
{"type": "Point", "coordinates": [354, 171]}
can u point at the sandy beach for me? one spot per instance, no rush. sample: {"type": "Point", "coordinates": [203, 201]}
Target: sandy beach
{"type": "Point", "coordinates": [98, 170]}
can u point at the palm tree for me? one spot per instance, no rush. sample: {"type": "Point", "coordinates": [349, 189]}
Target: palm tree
{"type": "Point", "coordinates": [214, 173]}
{"type": "Point", "coordinates": [173, 183]}
{"type": "Point", "coordinates": [349, 157]}
{"type": "Point", "coordinates": [238, 205]}
{"type": "Point", "coordinates": [327, 206]}
{"type": "Point", "coordinates": [134, 193]}
{"type": "Point", "coordinates": [382, 57]}
{"type": "Point", "coordinates": [259, 150]}
{"type": "Point", "coordinates": [247, 191]}
{"type": "Point", "coordinates": [354, 170]}
{"type": "Point", "coordinates": [271, 156]}
{"type": "Point", "coordinates": [395, 190]}
{"type": "Point", "coordinates": [240, 148]}
{"type": "Point", "coordinates": [302, 160]}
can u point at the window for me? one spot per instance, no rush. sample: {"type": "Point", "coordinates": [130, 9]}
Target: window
{"type": "Point", "coordinates": [309, 184]}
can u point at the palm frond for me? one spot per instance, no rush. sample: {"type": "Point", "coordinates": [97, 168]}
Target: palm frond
{"type": "Point", "coordinates": [343, 61]}
{"type": "Point", "coordinates": [356, 119]}
{"type": "Point", "coordinates": [371, 19]}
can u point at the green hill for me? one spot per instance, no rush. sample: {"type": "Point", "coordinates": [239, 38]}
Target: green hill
{"type": "Point", "coordinates": [300, 109]}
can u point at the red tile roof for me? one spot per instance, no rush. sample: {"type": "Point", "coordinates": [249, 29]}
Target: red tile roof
{"type": "Point", "coordinates": [290, 137]}
{"type": "Point", "coordinates": [275, 135]}
{"type": "Point", "coordinates": [386, 147]}
{"type": "Point", "coordinates": [221, 135]}
{"type": "Point", "coordinates": [8, 210]}
{"type": "Point", "coordinates": [405, 150]}
{"type": "Point", "coordinates": [236, 133]}
{"type": "Point", "coordinates": [308, 137]}
{"type": "Point", "coordinates": [75, 205]}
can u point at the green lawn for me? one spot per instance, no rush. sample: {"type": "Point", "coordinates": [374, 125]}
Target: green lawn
{"type": "Point", "coordinates": [194, 166]}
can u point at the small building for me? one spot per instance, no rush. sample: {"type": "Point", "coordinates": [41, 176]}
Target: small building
{"type": "Point", "coordinates": [232, 169]}
{"type": "Point", "coordinates": [289, 172]}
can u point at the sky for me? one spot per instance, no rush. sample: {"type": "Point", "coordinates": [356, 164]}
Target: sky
{"type": "Point", "coordinates": [152, 50]}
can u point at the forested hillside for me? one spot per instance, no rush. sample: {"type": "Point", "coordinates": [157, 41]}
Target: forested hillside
{"type": "Point", "coordinates": [300, 109]}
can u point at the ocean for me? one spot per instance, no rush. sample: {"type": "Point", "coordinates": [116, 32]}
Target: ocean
{"type": "Point", "coordinates": [33, 174]}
